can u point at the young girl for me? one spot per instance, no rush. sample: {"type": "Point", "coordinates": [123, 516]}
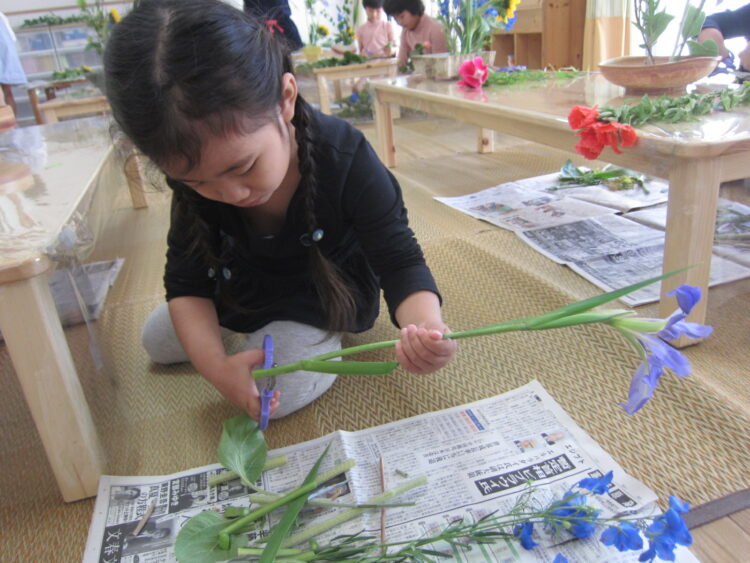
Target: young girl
{"type": "Point", "coordinates": [284, 221]}
{"type": "Point", "coordinates": [417, 29]}
{"type": "Point", "coordinates": [375, 37]}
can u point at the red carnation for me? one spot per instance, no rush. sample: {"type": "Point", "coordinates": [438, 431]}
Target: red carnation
{"type": "Point", "coordinates": [582, 116]}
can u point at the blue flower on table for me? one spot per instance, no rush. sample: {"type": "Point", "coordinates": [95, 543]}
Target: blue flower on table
{"type": "Point", "coordinates": [572, 514]}
{"type": "Point", "coordinates": [560, 558]}
{"type": "Point", "coordinates": [523, 533]}
{"type": "Point", "coordinates": [666, 532]}
{"type": "Point", "coordinates": [625, 537]}
{"type": "Point", "coordinates": [597, 485]}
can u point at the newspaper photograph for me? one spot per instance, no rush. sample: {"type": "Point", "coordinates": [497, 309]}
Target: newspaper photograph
{"type": "Point", "coordinates": [617, 270]}
{"type": "Point", "coordinates": [591, 238]}
{"type": "Point", "coordinates": [477, 459]}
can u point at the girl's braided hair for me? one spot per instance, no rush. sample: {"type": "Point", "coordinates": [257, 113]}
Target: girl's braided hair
{"type": "Point", "coordinates": [177, 69]}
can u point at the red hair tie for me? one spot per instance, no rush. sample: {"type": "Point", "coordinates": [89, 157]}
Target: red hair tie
{"type": "Point", "coordinates": [273, 26]}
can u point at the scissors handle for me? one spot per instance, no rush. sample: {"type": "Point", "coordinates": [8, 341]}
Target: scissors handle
{"type": "Point", "coordinates": [266, 394]}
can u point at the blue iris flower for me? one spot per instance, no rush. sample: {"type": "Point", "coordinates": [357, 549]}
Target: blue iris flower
{"type": "Point", "coordinates": [599, 485]}
{"type": "Point", "coordinates": [624, 537]}
{"type": "Point", "coordinates": [491, 12]}
{"type": "Point", "coordinates": [658, 355]}
{"type": "Point", "coordinates": [560, 558]}
{"type": "Point", "coordinates": [354, 97]}
{"type": "Point", "coordinates": [510, 23]}
{"type": "Point", "coordinates": [523, 533]}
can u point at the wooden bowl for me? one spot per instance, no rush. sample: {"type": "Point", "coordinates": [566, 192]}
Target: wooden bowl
{"type": "Point", "coordinates": [661, 77]}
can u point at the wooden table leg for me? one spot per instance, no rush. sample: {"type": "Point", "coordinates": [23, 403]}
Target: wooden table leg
{"type": "Point", "coordinates": [323, 95]}
{"type": "Point", "coordinates": [486, 141]}
{"type": "Point", "coordinates": [337, 91]}
{"type": "Point", "coordinates": [384, 127]}
{"type": "Point", "coordinates": [45, 369]}
{"type": "Point", "coordinates": [691, 220]}
{"type": "Point", "coordinates": [135, 177]}
{"type": "Point", "coordinates": [34, 103]}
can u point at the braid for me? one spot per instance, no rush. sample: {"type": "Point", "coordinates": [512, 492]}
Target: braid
{"type": "Point", "coordinates": [336, 296]}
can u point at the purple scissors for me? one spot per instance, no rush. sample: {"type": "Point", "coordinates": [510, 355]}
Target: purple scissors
{"type": "Point", "coordinates": [266, 393]}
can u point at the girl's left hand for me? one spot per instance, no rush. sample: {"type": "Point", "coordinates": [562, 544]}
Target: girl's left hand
{"type": "Point", "coordinates": [423, 350]}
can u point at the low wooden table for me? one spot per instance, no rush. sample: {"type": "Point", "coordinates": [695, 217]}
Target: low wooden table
{"type": "Point", "coordinates": [59, 108]}
{"type": "Point", "coordinates": [695, 156]}
{"type": "Point", "coordinates": [371, 69]}
{"type": "Point", "coordinates": [70, 161]}
{"type": "Point", "coordinates": [50, 93]}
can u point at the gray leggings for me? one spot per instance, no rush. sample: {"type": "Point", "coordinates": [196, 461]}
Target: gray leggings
{"type": "Point", "coordinates": [292, 341]}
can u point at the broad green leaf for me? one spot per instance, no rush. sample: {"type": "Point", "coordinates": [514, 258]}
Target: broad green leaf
{"type": "Point", "coordinates": [707, 48]}
{"type": "Point", "coordinates": [242, 448]}
{"type": "Point", "coordinates": [349, 368]}
{"type": "Point", "coordinates": [198, 540]}
{"type": "Point", "coordinates": [693, 22]}
{"type": "Point", "coordinates": [281, 530]}
{"type": "Point", "coordinates": [658, 25]}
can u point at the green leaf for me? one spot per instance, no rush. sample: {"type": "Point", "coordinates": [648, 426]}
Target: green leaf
{"type": "Point", "coordinates": [596, 301]}
{"type": "Point", "coordinates": [242, 448]}
{"type": "Point", "coordinates": [349, 368]}
{"type": "Point", "coordinates": [658, 24]}
{"type": "Point", "coordinates": [571, 170]}
{"type": "Point", "coordinates": [198, 540]}
{"type": "Point", "coordinates": [707, 48]}
{"type": "Point", "coordinates": [693, 22]}
{"type": "Point", "coordinates": [281, 530]}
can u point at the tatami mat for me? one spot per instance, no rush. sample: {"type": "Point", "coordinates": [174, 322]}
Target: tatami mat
{"type": "Point", "coordinates": [687, 441]}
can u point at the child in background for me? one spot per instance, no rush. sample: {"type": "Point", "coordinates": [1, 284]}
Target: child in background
{"type": "Point", "coordinates": [418, 28]}
{"type": "Point", "coordinates": [376, 36]}
{"type": "Point", "coordinates": [284, 220]}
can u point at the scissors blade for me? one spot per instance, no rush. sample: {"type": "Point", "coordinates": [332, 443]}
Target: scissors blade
{"type": "Point", "coordinates": [266, 394]}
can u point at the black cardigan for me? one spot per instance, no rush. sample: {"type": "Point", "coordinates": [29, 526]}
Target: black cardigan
{"type": "Point", "coordinates": [360, 209]}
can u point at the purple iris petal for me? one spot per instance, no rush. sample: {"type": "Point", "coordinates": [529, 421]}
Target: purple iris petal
{"type": "Point", "coordinates": [676, 327]}
{"type": "Point", "coordinates": [667, 356]}
{"type": "Point", "coordinates": [678, 505]}
{"type": "Point", "coordinates": [642, 386]}
{"type": "Point", "coordinates": [599, 485]}
{"type": "Point", "coordinates": [687, 296]}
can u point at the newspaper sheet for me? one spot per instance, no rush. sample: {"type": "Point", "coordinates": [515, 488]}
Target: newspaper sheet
{"type": "Point", "coordinates": [541, 202]}
{"type": "Point", "coordinates": [732, 228]}
{"type": "Point", "coordinates": [613, 252]}
{"type": "Point", "coordinates": [516, 206]}
{"type": "Point", "coordinates": [478, 458]}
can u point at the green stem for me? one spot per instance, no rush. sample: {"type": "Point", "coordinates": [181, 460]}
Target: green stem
{"type": "Point", "coordinates": [240, 523]}
{"type": "Point", "coordinates": [334, 521]}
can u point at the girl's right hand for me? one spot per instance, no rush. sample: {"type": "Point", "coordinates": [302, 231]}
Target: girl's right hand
{"type": "Point", "coordinates": [233, 377]}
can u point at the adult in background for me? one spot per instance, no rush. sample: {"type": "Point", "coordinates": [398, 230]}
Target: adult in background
{"type": "Point", "coordinates": [727, 25]}
{"type": "Point", "coordinates": [11, 71]}
{"type": "Point", "coordinates": [277, 11]}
